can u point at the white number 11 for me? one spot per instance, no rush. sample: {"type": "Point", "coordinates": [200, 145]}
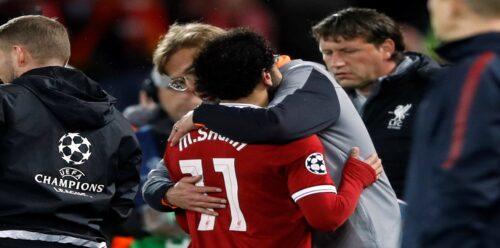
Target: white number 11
{"type": "Point", "coordinates": [226, 167]}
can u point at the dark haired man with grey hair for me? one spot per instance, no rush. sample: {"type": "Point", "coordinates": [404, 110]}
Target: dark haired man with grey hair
{"type": "Point", "coordinates": [69, 160]}
{"type": "Point", "coordinates": [364, 50]}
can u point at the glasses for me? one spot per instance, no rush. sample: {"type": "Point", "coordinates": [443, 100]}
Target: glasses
{"type": "Point", "coordinates": [178, 83]}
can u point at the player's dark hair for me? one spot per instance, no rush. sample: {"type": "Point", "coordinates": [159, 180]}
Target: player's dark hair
{"type": "Point", "coordinates": [231, 65]}
{"type": "Point", "coordinates": [352, 23]}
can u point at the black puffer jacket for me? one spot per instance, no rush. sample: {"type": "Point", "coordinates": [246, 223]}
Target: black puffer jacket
{"type": "Point", "coordinates": [68, 159]}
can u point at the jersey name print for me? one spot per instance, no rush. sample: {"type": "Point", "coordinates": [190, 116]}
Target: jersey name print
{"type": "Point", "coordinates": [261, 184]}
{"type": "Point", "coordinates": [203, 135]}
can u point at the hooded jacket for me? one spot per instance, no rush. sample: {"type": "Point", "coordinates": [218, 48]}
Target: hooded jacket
{"type": "Point", "coordinates": [389, 115]}
{"type": "Point", "coordinates": [68, 159]}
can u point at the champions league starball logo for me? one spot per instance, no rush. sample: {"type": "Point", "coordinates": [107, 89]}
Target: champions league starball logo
{"type": "Point", "coordinates": [74, 148]}
{"type": "Point", "coordinates": [316, 164]}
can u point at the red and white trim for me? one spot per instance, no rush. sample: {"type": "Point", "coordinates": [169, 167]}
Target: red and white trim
{"type": "Point", "coordinates": [313, 190]}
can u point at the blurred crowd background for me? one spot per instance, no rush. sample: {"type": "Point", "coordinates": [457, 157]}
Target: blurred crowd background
{"type": "Point", "coordinates": [112, 40]}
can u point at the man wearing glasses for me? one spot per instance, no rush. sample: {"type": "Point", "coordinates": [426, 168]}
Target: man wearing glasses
{"type": "Point", "coordinates": [172, 88]}
{"type": "Point", "coordinates": [166, 95]}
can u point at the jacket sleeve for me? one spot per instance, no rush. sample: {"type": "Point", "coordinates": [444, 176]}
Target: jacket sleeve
{"type": "Point", "coordinates": [155, 187]}
{"type": "Point", "coordinates": [310, 107]}
{"type": "Point", "coordinates": [328, 211]}
{"type": "Point", "coordinates": [127, 177]}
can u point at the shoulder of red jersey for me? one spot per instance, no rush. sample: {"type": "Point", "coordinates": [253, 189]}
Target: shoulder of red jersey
{"type": "Point", "coordinates": [303, 147]}
{"type": "Point", "coordinates": [297, 151]}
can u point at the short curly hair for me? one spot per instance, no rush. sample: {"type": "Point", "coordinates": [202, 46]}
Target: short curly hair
{"type": "Point", "coordinates": [231, 65]}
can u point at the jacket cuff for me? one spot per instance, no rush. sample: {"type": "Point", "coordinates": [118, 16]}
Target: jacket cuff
{"type": "Point", "coordinates": [159, 196]}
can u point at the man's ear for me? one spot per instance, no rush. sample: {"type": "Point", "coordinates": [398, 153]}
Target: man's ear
{"type": "Point", "coordinates": [388, 47]}
{"type": "Point", "coordinates": [266, 78]}
{"type": "Point", "coordinates": [20, 56]}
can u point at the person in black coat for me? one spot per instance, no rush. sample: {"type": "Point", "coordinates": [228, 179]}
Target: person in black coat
{"type": "Point", "coordinates": [69, 160]}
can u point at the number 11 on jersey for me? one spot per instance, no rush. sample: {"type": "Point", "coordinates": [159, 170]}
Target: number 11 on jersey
{"type": "Point", "coordinates": [226, 167]}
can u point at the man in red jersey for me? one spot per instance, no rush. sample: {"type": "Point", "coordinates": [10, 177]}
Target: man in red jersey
{"type": "Point", "coordinates": [275, 193]}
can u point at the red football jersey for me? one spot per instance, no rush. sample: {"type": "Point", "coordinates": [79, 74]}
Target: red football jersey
{"type": "Point", "coordinates": [261, 184]}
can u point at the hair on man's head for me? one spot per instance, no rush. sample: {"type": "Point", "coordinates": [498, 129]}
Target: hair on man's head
{"type": "Point", "coordinates": [231, 65]}
{"type": "Point", "coordinates": [486, 8]}
{"type": "Point", "coordinates": [44, 38]}
{"type": "Point", "coordinates": [179, 36]}
{"type": "Point", "coordinates": [352, 23]}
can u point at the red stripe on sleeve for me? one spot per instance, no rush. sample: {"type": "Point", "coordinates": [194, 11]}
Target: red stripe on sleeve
{"type": "Point", "coordinates": [464, 104]}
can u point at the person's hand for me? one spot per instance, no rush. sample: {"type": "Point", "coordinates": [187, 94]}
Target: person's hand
{"type": "Point", "coordinates": [181, 127]}
{"type": "Point", "coordinates": [373, 160]}
{"type": "Point", "coordinates": [187, 196]}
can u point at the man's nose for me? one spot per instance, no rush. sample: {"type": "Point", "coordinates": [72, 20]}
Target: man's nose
{"type": "Point", "coordinates": [337, 61]}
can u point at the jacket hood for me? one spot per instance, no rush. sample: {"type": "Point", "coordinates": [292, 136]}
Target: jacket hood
{"type": "Point", "coordinates": [421, 64]}
{"type": "Point", "coordinates": [76, 100]}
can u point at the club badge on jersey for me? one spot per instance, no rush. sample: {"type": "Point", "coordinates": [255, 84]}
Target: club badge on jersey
{"type": "Point", "coordinates": [400, 113]}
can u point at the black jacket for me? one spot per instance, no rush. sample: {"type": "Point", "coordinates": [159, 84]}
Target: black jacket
{"type": "Point", "coordinates": [389, 116]}
{"type": "Point", "coordinates": [68, 159]}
